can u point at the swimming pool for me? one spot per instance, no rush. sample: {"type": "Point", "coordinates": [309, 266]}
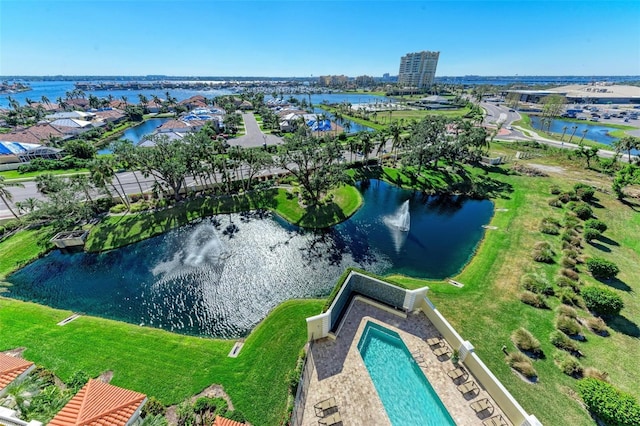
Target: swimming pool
{"type": "Point", "coordinates": [405, 392]}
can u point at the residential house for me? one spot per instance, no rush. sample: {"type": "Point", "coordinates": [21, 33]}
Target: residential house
{"type": "Point", "coordinates": [109, 115]}
{"type": "Point", "coordinates": [15, 152]}
{"type": "Point", "coordinates": [72, 126]}
{"type": "Point", "coordinates": [177, 126]}
{"type": "Point", "coordinates": [78, 115]}
{"type": "Point", "coordinates": [99, 403]}
{"type": "Point", "coordinates": [41, 133]}
{"type": "Point", "coordinates": [78, 103]}
{"type": "Point", "coordinates": [197, 101]}
{"type": "Point", "coordinates": [13, 370]}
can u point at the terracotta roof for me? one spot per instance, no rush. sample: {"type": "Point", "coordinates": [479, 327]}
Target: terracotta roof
{"type": "Point", "coordinates": [221, 421]}
{"type": "Point", "coordinates": [174, 124]}
{"type": "Point", "coordinates": [10, 368]}
{"type": "Point", "coordinates": [113, 114]}
{"type": "Point", "coordinates": [99, 404]}
{"type": "Point", "coordinates": [39, 133]}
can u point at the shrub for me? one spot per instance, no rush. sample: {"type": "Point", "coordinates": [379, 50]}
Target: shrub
{"type": "Point", "coordinates": [525, 341]}
{"type": "Point", "coordinates": [565, 197]}
{"type": "Point", "coordinates": [598, 326]}
{"type": "Point", "coordinates": [549, 229]}
{"type": "Point", "coordinates": [570, 273]}
{"type": "Point", "coordinates": [554, 189]}
{"type": "Point", "coordinates": [568, 326]}
{"type": "Point", "coordinates": [568, 297]}
{"type": "Point", "coordinates": [584, 192]}
{"type": "Point", "coordinates": [591, 234]}
{"type": "Point", "coordinates": [519, 362]}
{"type": "Point", "coordinates": [582, 210]}
{"type": "Point", "coordinates": [571, 253]}
{"type": "Point", "coordinates": [611, 405]}
{"type": "Point", "coordinates": [537, 283]}
{"type": "Point", "coordinates": [568, 262]}
{"type": "Point", "coordinates": [140, 206]}
{"type": "Point", "coordinates": [571, 366]}
{"type": "Point", "coordinates": [544, 256]}
{"type": "Point", "coordinates": [560, 340]}
{"type": "Point", "coordinates": [78, 380]}
{"type": "Point", "coordinates": [602, 269]}
{"type": "Point", "coordinates": [533, 299]}
{"type": "Point", "coordinates": [567, 311]}
{"type": "Point", "coordinates": [153, 407]}
{"type": "Point", "coordinates": [118, 208]}
{"type": "Point", "coordinates": [555, 202]}
{"type": "Point", "coordinates": [570, 221]}
{"type": "Point", "coordinates": [602, 300]}
{"type": "Point", "coordinates": [595, 374]}
{"type": "Point", "coordinates": [595, 224]}
{"type": "Point", "coordinates": [234, 415]}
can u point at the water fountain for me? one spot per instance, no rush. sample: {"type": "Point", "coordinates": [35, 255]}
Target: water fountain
{"type": "Point", "coordinates": [399, 225]}
{"type": "Point", "coordinates": [401, 219]}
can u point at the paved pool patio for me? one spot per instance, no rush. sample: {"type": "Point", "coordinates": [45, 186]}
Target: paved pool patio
{"type": "Point", "coordinates": [340, 371]}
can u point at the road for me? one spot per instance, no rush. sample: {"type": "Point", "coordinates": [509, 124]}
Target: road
{"type": "Point", "coordinates": [254, 137]}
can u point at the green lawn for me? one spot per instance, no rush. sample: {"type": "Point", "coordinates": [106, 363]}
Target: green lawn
{"type": "Point", "coordinates": [14, 174]}
{"type": "Point", "coordinates": [487, 309]}
{"type": "Point", "coordinates": [22, 247]}
{"type": "Point", "coordinates": [169, 366]}
{"type": "Point", "coordinates": [117, 231]}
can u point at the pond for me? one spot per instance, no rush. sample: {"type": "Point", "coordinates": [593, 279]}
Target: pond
{"type": "Point", "coordinates": [136, 133]}
{"type": "Point", "coordinates": [595, 132]}
{"type": "Point", "coordinates": [222, 276]}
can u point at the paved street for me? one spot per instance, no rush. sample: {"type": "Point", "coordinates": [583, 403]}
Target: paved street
{"type": "Point", "coordinates": [253, 135]}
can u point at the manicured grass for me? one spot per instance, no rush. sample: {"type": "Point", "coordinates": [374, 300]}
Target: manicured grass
{"type": "Point", "coordinates": [169, 366]}
{"type": "Point", "coordinates": [22, 247]}
{"type": "Point", "coordinates": [117, 231]}
{"type": "Point", "coordinates": [14, 174]}
{"type": "Point", "coordinates": [486, 311]}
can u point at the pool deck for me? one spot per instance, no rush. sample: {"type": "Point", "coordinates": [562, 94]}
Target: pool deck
{"type": "Point", "coordinates": [340, 371]}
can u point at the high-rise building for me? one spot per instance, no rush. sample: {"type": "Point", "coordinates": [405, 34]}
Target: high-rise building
{"type": "Point", "coordinates": [418, 69]}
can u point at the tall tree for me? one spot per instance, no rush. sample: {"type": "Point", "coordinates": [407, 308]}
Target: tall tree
{"type": "Point", "coordinates": [6, 196]}
{"type": "Point", "coordinates": [102, 175]}
{"type": "Point", "coordinates": [167, 161]}
{"type": "Point", "coordinates": [317, 167]}
{"type": "Point", "coordinates": [627, 143]}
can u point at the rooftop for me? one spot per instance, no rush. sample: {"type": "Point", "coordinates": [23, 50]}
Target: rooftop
{"type": "Point", "coordinates": [10, 368]}
{"type": "Point", "coordinates": [99, 404]}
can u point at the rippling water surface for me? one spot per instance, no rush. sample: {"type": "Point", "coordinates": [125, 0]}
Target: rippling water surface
{"type": "Point", "coordinates": [221, 276]}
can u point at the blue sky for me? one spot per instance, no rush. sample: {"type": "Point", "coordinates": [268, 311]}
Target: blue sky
{"type": "Point", "coordinates": [298, 38]}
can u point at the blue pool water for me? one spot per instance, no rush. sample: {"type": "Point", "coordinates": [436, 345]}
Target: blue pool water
{"type": "Point", "coordinates": [405, 392]}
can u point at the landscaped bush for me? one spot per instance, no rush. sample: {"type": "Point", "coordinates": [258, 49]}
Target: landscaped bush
{"type": "Point", "coordinates": [533, 299]}
{"type": "Point", "coordinates": [140, 207]}
{"type": "Point", "coordinates": [611, 405]}
{"type": "Point", "coordinates": [568, 297]}
{"type": "Point", "coordinates": [570, 366]}
{"type": "Point", "coordinates": [550, 226]}
{"type": "Point", "coordinates": [567, 311]}
{"type": "Point", "coordinates": [78, 380]}
{"type": "Point", "coordinates": [525, 341]}
{"type": "Point", "coordinates": [118, 208]}
{"type": "Point", "coordinates": [595, 224]}
{"type": "Point", "coordinates": [602, 269]}
{"type": "Point", "coordinates": [571, 253]}
{"type": "Point", "coordinates": [598, 326]}
{"type": "Point", "coordinates": [602, 300]}
{"type": "Point", "coordinates": [153, 407]}
{"type": "Point", "coordinates": [555, 189]}
{"type": "Point", "coordinates": [543, 255]}
{"type": "Point", "coordinates": [568, 326]}
{"type": "Point", "coordinates": [555, 202]}
{"type": "Point", "coordinates": [595, 374]}
{"type": "Point", "coordinates": [582, 210]}
{"type": "Point", "coordinates": [568, 262]}
{"type": "Point", "coordinates": [570, 221]}
{"type": "Point", "coordinates": [521, 363]}
{"type": "Point", "coordinates": [584, 191]}
{"type": "Point", "coordinates": [537, 283]}
{"type": "Point", "coordinates": [570, 273]}
{"type": "Point", "coordinates": [560, 340]}
{"type": "Point", "coordinates": [572, 239]}
{"type": "Point", "coordinates": [591, 234]}
{"type": "Point", "coordinates": [566, 197]}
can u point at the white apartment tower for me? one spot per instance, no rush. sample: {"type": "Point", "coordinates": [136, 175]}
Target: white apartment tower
{"type": "Point", "coordinates": [418, 69]}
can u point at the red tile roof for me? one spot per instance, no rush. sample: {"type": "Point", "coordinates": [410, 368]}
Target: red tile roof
{"type": "Point", "coordinates": [10, 368]}
{"type": "Point", "coordinates": [99, 404]}
{"type": "Point", "coordinates": [221, 421]}
{"type": "Point", "coordinates": [39, 133]}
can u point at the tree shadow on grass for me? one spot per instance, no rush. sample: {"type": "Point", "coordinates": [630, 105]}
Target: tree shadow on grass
{"type": "Point", "coordinates": [599, 246]}
{"type": "Point", "coordinates": [631, 204]}
{"type": "Point", "coordinates": [625, 326]}
{"type": "Point", "coordinates": [608, 240]}
{"type": "Point", "coordinates": [617, 284]}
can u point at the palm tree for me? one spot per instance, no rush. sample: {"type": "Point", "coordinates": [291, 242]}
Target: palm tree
{"type": "Point", "coordinates": [45, 100]}
{"type": "Point", "coordinates": [627, 143]}
{"type": "Point", "coordinates": [564, 130]}
{"type": "Point", "coordinates": [124, 100]}
{"type": "Point", "coordinates": [574, 128]}
{"type": "Point", "coordinates": [102, 175]}
{"type": "Point", "coordinates": [6, 196]}
{"type": "Point", "coordinates": [395, 132]}
{"type": "Point", "coordinates": [584, 133]}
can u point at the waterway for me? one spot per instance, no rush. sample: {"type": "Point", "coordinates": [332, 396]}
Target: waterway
{"type": "Point", "coordinates": [221, 276]}
{"type": "Point", "coordinates": [595, 132]}
{"type": "Point", "coordinates": [136, 133]}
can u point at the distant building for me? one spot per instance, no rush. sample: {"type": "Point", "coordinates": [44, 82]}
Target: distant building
{"type": "Point", "coordinates": [333, 80]}
{"type": "Point", "coordinates": [385, 76]}
{"type": "Point", "coordinates": [418, 69]}
{"type": "Point", "coordinates": [365, 81]}
{"type": "Point", "coordinates": [594, 93]}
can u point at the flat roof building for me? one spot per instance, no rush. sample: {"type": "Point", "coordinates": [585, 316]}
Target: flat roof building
{"type": "Point", "coordinates": [418, 69]}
